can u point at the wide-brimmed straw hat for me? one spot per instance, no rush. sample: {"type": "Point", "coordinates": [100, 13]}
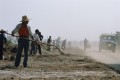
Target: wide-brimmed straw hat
{"type": "Point", "coordinates": [24, 18]}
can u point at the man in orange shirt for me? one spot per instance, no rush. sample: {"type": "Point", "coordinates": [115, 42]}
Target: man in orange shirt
{"type": "Point", "coordinates": [24, 32]}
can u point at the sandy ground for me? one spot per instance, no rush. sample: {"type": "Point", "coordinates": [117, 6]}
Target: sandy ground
{"type": "Point", "coordinates": [112, 59]}
{"type": "Point", "coordinates": [74, 65]}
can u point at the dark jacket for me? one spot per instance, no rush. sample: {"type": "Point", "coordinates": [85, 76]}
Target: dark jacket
{"type": "Point", "coordinates": [49, 40]}
{"type": "Point", "coordinates": [3, 39]}
{"type": "Point", "coordinates": [40, 36]}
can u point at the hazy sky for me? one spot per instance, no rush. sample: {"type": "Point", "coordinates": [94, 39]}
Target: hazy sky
{"type": "Point", "coordinates": [71, 19]}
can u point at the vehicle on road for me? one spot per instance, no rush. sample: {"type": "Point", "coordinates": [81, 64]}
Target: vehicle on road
{"type": "Point", "coordinates": [107, 42]}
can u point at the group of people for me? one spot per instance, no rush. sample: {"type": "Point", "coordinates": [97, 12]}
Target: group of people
{"type": "Point", "coordinates": [60, 43]}
{"type": "Point", "coordinates": [25, 33]}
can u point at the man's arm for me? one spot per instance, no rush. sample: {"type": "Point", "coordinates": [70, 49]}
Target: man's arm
{"type": "Point", "coordinates": [16, 29]}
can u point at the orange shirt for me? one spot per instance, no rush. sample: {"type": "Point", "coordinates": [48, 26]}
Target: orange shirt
{"type": "Point", "coordinates": [23, 31]}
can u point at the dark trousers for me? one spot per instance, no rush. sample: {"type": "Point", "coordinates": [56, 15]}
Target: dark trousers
{"type": "Point", "coordinates": [39, 48]}
{"type": "Point", "coordinates": [22, 44]}
{"type": "Point", "coordinates": [1, 52]}
{"type": "Point", "coordinates": [33, 48]}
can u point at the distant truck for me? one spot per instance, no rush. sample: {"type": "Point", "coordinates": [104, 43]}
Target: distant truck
{"type": "Point", "coordinates": [107, 42]}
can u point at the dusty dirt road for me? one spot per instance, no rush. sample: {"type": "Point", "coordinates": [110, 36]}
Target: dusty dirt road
{"type": "Point", "coordinates": [107, 57]}
{"type": "Point", "coordinates": [74, 65]}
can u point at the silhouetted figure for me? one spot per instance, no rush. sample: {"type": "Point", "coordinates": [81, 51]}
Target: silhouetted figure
{"type": "Point", "coordinates": [49, 42]}
{"type": "Point", "coordinates": [2, 41]}
{"type": "Point", "coordinates": [58, 42]}
{"type": "Point", "coordinates": [54, 43]}
{"type": "Point", "coordinates": [63, 44]}
{"type": "Point", "coordinates": [85, 44]}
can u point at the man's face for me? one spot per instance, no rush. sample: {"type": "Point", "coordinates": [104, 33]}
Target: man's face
{"type": "Point", "coordinates": [26, 22]}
